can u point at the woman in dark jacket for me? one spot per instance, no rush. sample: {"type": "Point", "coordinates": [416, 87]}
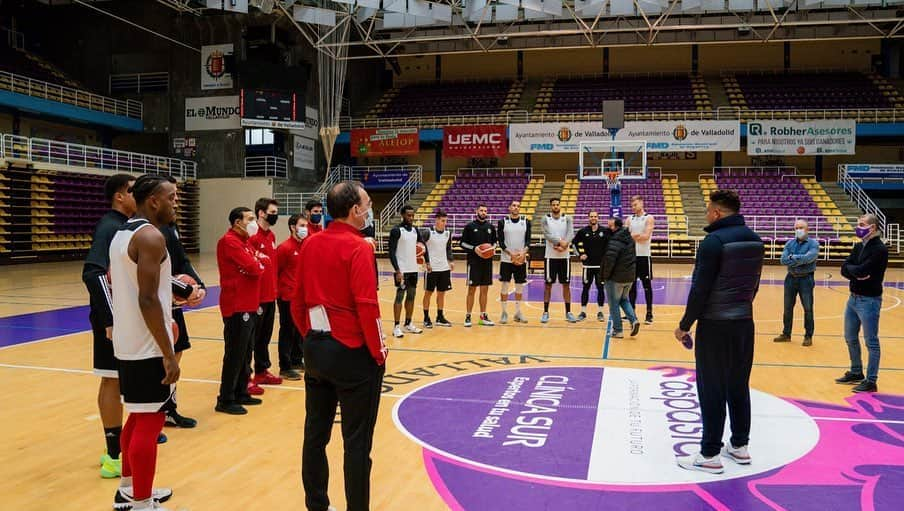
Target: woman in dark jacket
{"type": "Point", "coordinates": [619, 273]}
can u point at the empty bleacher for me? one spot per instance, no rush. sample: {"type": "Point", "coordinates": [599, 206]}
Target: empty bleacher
{"type": "Point", "coordinates": [449, 99]}
{"type": "Point", "coordinates": [810, 91]}
{"type": "Point", "coordinates": [641, 94]}
{"type": "Point", "coordinates": [22, 62]}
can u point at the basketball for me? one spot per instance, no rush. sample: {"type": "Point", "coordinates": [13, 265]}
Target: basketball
{"type": "Point", "coordinates": [486, 251]}
{"type": "Point", "coordinates": [187, 279]}
{"type": "Point", "coordinates": [419, 252]}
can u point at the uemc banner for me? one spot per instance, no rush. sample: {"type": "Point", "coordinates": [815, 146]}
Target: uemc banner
{"type": "Point", "coordinates": [474, 141]}
{"type": "Point", "coordinates": [801, 137]}
{"type": "Point", "coordinates": [661, 136]}
{"type": "Point", "coordinates": [385, 142]}
{"type": "Point", "coordinates": [212, 113]}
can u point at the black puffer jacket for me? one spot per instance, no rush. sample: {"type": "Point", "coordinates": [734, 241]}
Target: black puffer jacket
{"type": "Point", "coordinates": [726, 274]}
{"type": "Point", "coordinates": [620, 258]}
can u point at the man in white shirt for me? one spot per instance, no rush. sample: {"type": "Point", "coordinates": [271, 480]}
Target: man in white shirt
{"type": "Point", "coordinates": [403, 240]}
{"type": "Point", "coordinates": [514, 240]}
{"type": "Point", "coordinates": [558, 230]}
{"type": "Point", "coordinates": [641, 226]}
{"type": "Point", "coordinates": [438, 257]}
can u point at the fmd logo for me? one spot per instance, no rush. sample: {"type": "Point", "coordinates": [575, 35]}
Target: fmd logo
{"type": "Point", "coordinates": [755, 128]}
{"type": "Point", "coordinates": [541, 147]}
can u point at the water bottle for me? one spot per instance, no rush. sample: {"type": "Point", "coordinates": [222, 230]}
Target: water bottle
{"type": "Point", "coordinates": [687, 341]}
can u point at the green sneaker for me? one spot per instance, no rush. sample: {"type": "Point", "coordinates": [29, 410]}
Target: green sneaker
{"type": "Point", "coordinates": [110, 468]}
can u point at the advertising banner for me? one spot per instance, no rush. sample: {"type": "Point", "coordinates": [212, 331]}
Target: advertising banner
{"type": "Point", "coordinates": [385, 142]}
{"type": "Point", "coordinates": [303, 152]}
{"type": "Point", "coordinates": [801, 138]}
{"type": "Point", "coordinates": [212, 113]}
{"type": "Point", "coordinates": [385, 180]}
{"type": "Point", "coordinates": [474, 141]}
{"type": "Point", "coordinates": [214, 73]}
{"type": "Point", "coordinates": [661, 136]}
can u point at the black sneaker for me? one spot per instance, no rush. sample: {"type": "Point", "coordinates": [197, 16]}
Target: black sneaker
{"type": "Point", "coordinates": [173, 419]}
{"type": "Point", "coordinates": [298, 366]}
{"type": "Point", "coordinates": [289, 374]}
{"type": "Point", "coordinates": [231, 408]}
{"type": "Point", "coordinates": [866, 386]}
{"type": "Point", "coordinates": [442, 321]}
{"type": "Point", "coordinates": [249, 401]}
{"type": "Point", "coordinates": [635, 328]}
{"type": "Point", "coordinates": [850, 378]}
{"type": "Point", "coordinates": [649, 319]}
{"type": "Point", "coordinates": [122, 501]}
{"type": "Point", "coordinates": [428, 323]}
{"type": "Point", "coordinates": [582, 316]}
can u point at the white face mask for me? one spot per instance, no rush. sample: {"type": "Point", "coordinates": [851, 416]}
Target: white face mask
{"type": "Point", "coordinates": [800, 233]}
{"type": "Point", "coordinates": [369, 221]}
{"type": "Point", "coordinates": [251, 228]}
{"type": "Point", "coordinates": [302, 232]}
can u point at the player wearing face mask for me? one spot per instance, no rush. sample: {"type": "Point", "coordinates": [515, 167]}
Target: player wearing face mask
{"type": "Point", "coordinates": [291, 359]}
{"type": "Point", "coordinates": [314, 211]}
{"type": "Point", "coordinates": [240, 274]}
{"type": "Point", "coordinates": [264, 243]}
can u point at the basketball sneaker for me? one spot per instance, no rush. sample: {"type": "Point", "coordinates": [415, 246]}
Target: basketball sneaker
{"type": "Point", "coordinates": [649, 318]}
{"type": "Point", "coordinates": [123, 499]}
{"type": "Point", "coordinates": [110, 467]}
{"type": "Point", "coordinates": [850, 378]}
{"type": "Point", "coordinates": [519, 318]}
{"type": "Point", "coordinates": [701, 463]}
{"type": "Point", "coordinates": [412, 329]}
{"type": "Point", "coordinates": [582, 316]}
{"type": "Point", "coordinates": [174, 419]}
{"type": "Point", "coordinates": [442, 321]}
{"type": "Point", "coordinates": [397, 332]}
{"type": "Point", "coordinates": [503, 319]}
{"type": "Point", "coordinates": [267, 378]}
{"type": "Point", "coordinates": [428, 323]}
{"type": "Point", "coordinates": [290, 374]}
{"type": "Point", "coordinates": [485, 320]}
{"type": "Point", "coordinates": [570, 318]}
{"type": "Point", "coordinates": [618, 335]}
{"type": "Point", "coordinates": [600, 317]}
{"type": "Point", "coordinates": [467, 323]}
{"type": "Point", "coordinates": [737, 454]}
{"type": "Point", "coordinates": [635, 328]}
{"type": "Point", "coordinates": [866, 386]}
{"type": "Point", "coordinates": [254, 389]}
{"type": "Point", "coordinates": [544, 318]}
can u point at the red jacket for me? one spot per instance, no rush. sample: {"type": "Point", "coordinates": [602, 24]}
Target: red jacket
{"type": "Point", "coordinates": [265, 243]}
{"type": "Point", "coordinates": [336, 270]}
{"type": "Point", "coordinates": [287, 263]}
{"type": "Point", "coordinates": [314, 228]}
{"type": "Point", "coordinates": [240, 274]}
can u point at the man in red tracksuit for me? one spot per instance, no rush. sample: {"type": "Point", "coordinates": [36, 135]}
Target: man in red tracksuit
{"type": "Point", "coordinates": [335, 307]}
{"type": "Point", "coordinates": [264, 244]}
{"type": "Point", "coordinates": [291, 358]}
{"type": "Point", "coordinates": [240, 274]}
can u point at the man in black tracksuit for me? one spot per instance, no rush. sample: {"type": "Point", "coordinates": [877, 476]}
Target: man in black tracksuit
{"type": "Point", "coordinates": [590, 243]}
{"type": "Point", "coordinates": [480, 270]}
{"type": "Point", "coordinates": [725, 281]}
{"type": "Point", "coordinates": [180, 265]}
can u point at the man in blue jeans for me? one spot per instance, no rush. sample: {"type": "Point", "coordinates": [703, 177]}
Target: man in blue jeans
{"type": "Point", "coordinates": [618, 270]}
{"type": "Point", "coordinates": [865, 268]}
{"type": "Point", "coordinates": [800, 257]}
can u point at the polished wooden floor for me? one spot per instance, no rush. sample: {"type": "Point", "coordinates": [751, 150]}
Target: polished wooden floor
{"type": "Point", "coordinates": [51, 433]}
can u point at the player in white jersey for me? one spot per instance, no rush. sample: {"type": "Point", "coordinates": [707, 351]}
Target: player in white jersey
{"type": "Point", "coordinates": [558, 230]}
{"type": "Point", "coordinates": [438, 258]}
{"type": "Point", "coordinates": [514, 240]}
{"type": "Point", "coordinates": [403, 240]}
{"type": "Point", "coordinates": [143, 337]}
{"type": "Point", "coordinates": [641, 225]}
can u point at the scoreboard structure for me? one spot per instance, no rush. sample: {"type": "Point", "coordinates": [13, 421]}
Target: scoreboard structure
{"type": "Point", "coordinates": [270, 109]}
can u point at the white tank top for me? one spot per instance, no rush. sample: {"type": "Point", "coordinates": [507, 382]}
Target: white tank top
{"type": "Point", "coordinates": [513, 234]}
{"type": "Point", "coordinates": [405, 250]}
{"type": "Point", "coordinates": [558, 228]}
{"type": "Point", "coordinates": [131, 338]}
{"type": "Point", "coordinates": [436, 249]}
{"type": "Point", "coordinates": [637, 226]}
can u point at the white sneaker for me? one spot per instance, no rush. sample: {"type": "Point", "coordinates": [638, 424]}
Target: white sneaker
{"type": "Point", "coordinates": [700, 463]}
{"type": "Point", "coordinates": [738, 455]}
{"type": "Point", "coordinates": [544, 318]}
{"type": "Point", "coordinates": [503, 319]}
{"type": "Point", "coordinates": [145, 505]}
{"type": "Point", "coordinates": [412, 329]}
{"type": "Point", "coordinates": [123, 500]}
{"type": "Point", "coordinates": [519, 318]}
{"type": "Point", "coordinates": [570, 318]}
{"type": "Point", "coordinates": [397, 331]}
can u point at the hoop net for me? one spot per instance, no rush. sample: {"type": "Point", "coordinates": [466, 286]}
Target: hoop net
{"type": "Point", "coordinates": [331, 69]}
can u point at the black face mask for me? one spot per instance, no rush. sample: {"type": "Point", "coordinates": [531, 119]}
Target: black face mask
{"type": "Point", "coordinates": [272, 219]}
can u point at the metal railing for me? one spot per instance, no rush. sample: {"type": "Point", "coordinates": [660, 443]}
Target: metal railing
{"type": "Point", "coordinates": [137, 83]}
{"type": "Point", "coordinates": [782, 226]}
{"type": "Point", "coordinates": [293, 203]}
{"type": "Point", "coordinates": [890, 176]}
{"type": "Point", "coordinates": [266, 166]}
{"type": "Point", "coordinates": [859, 197]}
{"type": "Point", "coordinates": [783, 170]}
{"type": "Point", "coordinates": [401, 197]}
{"type": "Point", "coordinates": [80, 98]}
{"type": "Point", "coordinates": [91, 157]}
{"type": "Point", "coordinates": [486, 171]}
{"type": "Point", "coordinates": [865, 115]}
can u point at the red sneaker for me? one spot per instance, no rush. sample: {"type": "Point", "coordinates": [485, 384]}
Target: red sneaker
{"type": "Point", "coordinates": [254, 389]}
{"type": "Point", "coordinates": [267, 378]}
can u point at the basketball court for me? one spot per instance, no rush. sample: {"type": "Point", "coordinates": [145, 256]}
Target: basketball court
{"type": "Point", "coordinates": [554, 416]}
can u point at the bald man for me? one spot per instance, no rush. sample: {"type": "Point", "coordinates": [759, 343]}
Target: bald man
{"type": "Point", "coordinates": [799, 256]}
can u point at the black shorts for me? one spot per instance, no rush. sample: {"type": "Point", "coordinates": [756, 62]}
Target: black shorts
{"type": "Point", "coordinates": [558, 270]}
{"type": "Point", "coordinates": [438, 281]}
{"type": "Point", "coordinates": [644, 267]}
{"type": "Point", "coordinates": [480, 273]}
{"type": "Point", "coordinates": [588, 275]}
{"type": "Point", "coordinates": [140, 387]}
{"type": "Point", "coordinates": [409, 280]}
{"type": "Point", "coordinates": [105, 363]}
{"type": "Point", "coordinates": [509, 270]}
{"type": "Point", "coordinates": [182, 342]}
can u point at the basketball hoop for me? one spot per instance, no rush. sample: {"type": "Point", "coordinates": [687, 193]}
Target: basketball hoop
{"type": "Point", "coordinates": [613, 177]}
